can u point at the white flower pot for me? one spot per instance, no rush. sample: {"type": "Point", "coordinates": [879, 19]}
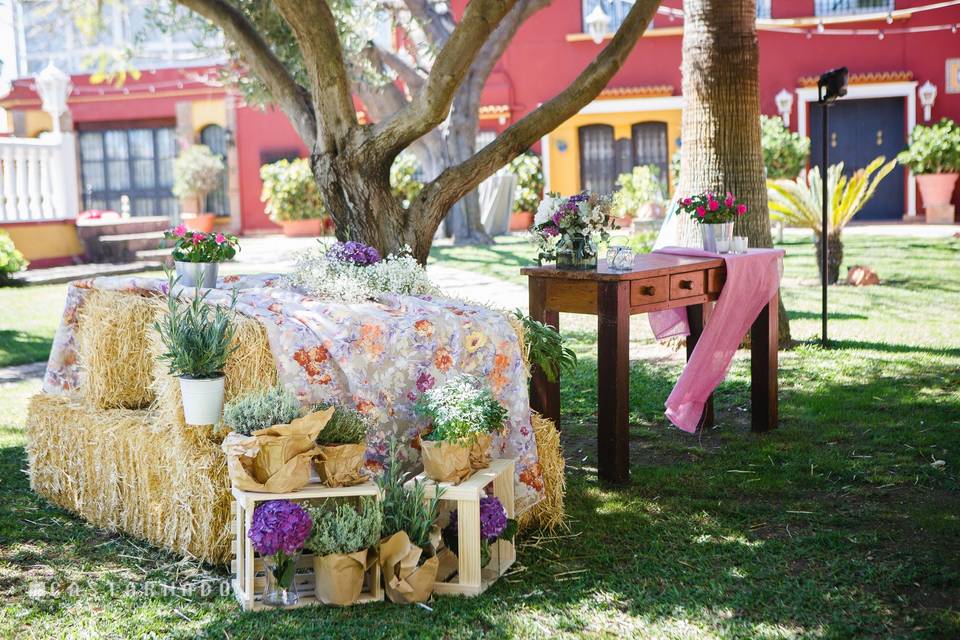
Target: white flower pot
{"type": "Point", "coordinates": [202, 399]}
{"type": "Point", "coordinates": [193, 274]}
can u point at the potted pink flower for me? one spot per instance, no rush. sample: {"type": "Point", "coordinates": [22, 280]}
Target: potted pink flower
{"type": "Point", "coordinates": [196, 255]}
{"type": "Point", "coordinates": [716, 217]}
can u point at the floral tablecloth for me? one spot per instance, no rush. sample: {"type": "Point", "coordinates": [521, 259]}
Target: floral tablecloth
{"type": "Point", "coordinates": [376, 357]}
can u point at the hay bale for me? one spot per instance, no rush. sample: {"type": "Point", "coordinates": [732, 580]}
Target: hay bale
{"type": "Point", "coordinates": [548, 514]}
{"type": "Point", "coordinates": [116, 368]}
{"type": "Point", "coordinates": [126, 470]}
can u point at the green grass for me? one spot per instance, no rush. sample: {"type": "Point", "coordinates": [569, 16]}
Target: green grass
{"type": "Point", "coordinates": [28, 319]}
{"type": "Point", "coordinates": [836, 525]}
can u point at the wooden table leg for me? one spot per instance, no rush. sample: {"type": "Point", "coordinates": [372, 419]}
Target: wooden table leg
{"type": "Point", "coordinates": [764, 341]}
{"type": "Point", "coordinates": [613, 381]}
{"type": "Point", "coordinates": [544, 395]}
{"type": "Point", "coordinates": [697, 317]}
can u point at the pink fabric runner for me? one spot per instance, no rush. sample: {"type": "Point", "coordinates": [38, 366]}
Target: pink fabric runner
{"type": "Point", "coordinates": [752, 279]}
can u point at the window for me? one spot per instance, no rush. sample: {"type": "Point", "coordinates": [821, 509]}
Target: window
{"type": "Point", "coordinates": [129, 162]}
{"type": "Point", "coordinates": [598, 158]}
{"type": "Point", "coordinates": [845, 7]}
{"type": "Point", "coordinates": [650, 147]}
{"type": "Point", "coordinates": [763, 8]}
{"type": "Point", "coordinates": [616, 10]}
{"type": "Point", "coordinates": [214, 136]}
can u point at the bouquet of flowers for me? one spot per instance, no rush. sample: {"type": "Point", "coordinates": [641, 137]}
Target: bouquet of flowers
{"type": "Point", "coordinates": [494, 524]}
{"type": "Point", "coordinates": [565, 224]}
{"type": "Point", "coordinates": [278, 532]}
{"type": "Point", "coordinates": [196, 246]}
{"type": "Point", "coordinates": [706, 208]}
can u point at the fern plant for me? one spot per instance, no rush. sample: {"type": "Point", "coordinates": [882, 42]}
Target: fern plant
{"type": "Point", "coordinates": [343, 528]}
{"type": "Point", "coordinates": [546, 348]}
{"type": "Point", "coordinates": [406, 510]}
{"type": "Point", "coordinates": [261, 409]}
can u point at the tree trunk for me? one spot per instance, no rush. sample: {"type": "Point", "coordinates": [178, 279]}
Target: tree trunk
{"type": "Point", "coordinates": [465, 219]}
{"type": "Point", "coordinates": [721, 117]}
{"type": "Point", "coordinates": [834, 256]}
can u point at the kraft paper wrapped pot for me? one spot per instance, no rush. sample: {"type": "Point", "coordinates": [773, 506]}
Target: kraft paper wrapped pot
{"type": "Point", "coordinates": [404, 578]}
{"type": "Point", "coordinates": [339, 465]}
{"type": "Point", "coordinates": [446, 461]}
{"type": "Point", "coordinates": [339, 577]}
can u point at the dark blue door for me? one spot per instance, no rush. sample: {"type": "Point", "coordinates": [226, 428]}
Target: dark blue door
{"type": "Point", "coordinates": [861, 130]}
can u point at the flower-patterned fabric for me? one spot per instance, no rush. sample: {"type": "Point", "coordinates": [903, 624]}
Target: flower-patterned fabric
{"type": "Point", "coordinates": [376, 357]}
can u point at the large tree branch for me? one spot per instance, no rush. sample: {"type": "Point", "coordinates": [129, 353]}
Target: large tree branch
{"type": "Point", "coordinates": [431, 105]}
{"type": "Point", "coordinates": [293, 99]}
{"type": "Point", "coordinates": [315, 28]}
{"type": "Point", "coordinates": [380, 58]}
{"type": "Point", "coordinates": [451, 185]}
{"type": "Point", "coordinates": [437, 26]}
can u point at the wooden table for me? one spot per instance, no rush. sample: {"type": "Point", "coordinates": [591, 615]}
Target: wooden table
{"type": "Point", "coordinates": [657, 281]}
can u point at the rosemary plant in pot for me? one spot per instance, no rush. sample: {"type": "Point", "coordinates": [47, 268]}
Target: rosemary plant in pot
{"type": "Point", "coordinates": [341, 541]}
{"type": "Point", "coordinates": [278, 531]}
{"type": "Point", "coordinates": [197, 336]}
{"type": "Point", "coordinates": [343, 445]}
{"type": "Point", "coordinates": [197, 255]}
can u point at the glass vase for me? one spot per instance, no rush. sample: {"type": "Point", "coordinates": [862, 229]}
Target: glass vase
{"type": "Point", "coordinates": [722, 231]}
{"type": "Point", "coordinates": [280, 589]}
{"type": "Point", "coordinates": [576, 253]}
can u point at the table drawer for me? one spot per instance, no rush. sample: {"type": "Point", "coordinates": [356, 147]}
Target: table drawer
{"type": "Point", "coordinates": [649, 291]}
{"type": "Point", "coordinates": [686, 285]}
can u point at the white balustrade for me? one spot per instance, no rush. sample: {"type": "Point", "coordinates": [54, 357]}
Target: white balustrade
{"type": "Point", "coordinates": [38, 178]}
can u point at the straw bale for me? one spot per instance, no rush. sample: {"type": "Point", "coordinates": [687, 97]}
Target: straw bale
{"type": "Point", "coordinates": [548, 514]}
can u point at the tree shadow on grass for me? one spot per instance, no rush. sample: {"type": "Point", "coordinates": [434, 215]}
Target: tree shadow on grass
{"type": "Point", "coordinates": [20, 347]}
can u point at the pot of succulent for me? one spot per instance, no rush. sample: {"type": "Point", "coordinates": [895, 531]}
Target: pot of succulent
{"type": "Point", "coordinates": [933, 156]}
{"type": "Point", "coordinates": [494, 525]}
{"type": "Point", "coordinates": [410, 536]}
{"type": "Point", "coordinates": [197, 255]}
{"type": "Point", "coordinates": [341, 541]}
{"type": "Point", "coordinates": [197, 171]}
{"type": "Point", "coordinates": [343, 444]}
{"type": "Point", "coordinates": [278, 531]}
{"type": "Point", "coordinates": [463, 416]}
{"type": "Point", "coordinates": [197, 337]}
{"type": "Point", "coordinates": [292, 198]}
{"type": "Point", "coordinates": [566, 229]}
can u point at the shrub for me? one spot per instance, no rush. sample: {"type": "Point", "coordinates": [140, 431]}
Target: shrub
{"type": "Point", "coordinates": [345, 528]}
{"type": "Point", "coordinates": [404, 510]}
{"type": "Point", "coordinates": [637, 188]}
{"type": "Point", "coordinates": [785, 153]}
{"type": "Point", "coordinates": [11, 260]}
{"type": "Point", "coordinates": [196, 172]}
{"type": "Point", "coordinates": [461, 408]}
{"type": "Point", "coordinates": [346, 426]}
{"type": "Point", "coordinates": [290, 191]}
{"type": "Point", "coordinates": [933, 149]}
{"type": "Point", "coordinates": [529, 171]}
{"type": "Point", "coordinates": [545, 347]}
{"type": "Point", "coordinates": [261, 409]}
{"type": "Point", "coordinates": [403, 178]}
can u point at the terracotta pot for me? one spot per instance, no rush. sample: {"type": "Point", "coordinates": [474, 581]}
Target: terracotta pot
{"type": "Point", "coordinates": [936, 188]}
{"type": "Point", "coordinates": [202, 222]}
{"type": "Point", "coordinates": [302, 228]}
{"type": "Point", "coordinates": [521, 220]}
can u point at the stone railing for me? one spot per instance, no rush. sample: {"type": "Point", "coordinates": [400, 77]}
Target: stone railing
{"type": "Point", "coordinates": [38, 178]}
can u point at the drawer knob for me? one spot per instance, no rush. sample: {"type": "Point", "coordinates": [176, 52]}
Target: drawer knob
{"type": "Point", "coordinates": [648, 290]}
{"type": "Point", "coordinates": [686, 284]}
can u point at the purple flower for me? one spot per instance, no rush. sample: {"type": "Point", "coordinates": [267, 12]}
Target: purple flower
{"type": "Point", "coordinates": [493, 519]}
{"type": "Point", "coordinates": [356, 252]}
{"type": "Point", "coordinates": [549, 232]}
{"type": "Point", "coordinates": [279, 525]}
{"type": "Point", "coordinates": [425, 381]}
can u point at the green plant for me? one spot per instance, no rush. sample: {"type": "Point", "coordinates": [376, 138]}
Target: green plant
{"type": "Point", "coordinates": [290, 191]}
{"type": "Point", "coordinates": [261, 409]}
{"type": "Point", "coordinates": [637, 188]}
{"type": "Point", "coordinates": [403, 509]}
{"type": "Point", "coordinates": [196, 246]}
{"type": "Point", "coordinates": [529, 171]}
{"type": "Point", "coordinates": [785, 153]}
{"type": "Point", "coordinates": [545, 347]}
{"type": "Point", "coordinates": [11, 260]}
{"type": "Point", "coordinates": [343, 528]}
{"type": "Point", "coordinates": [197, 335]}
{"type": "Point", "coordinates": [346, 426]}
{"type": "Point", "coordinates": [403, 178]}
{"type": "Point", "coordinates": [196, 172]}
{"type": "Point", "coordinates": [933, 149]}
{"type": "Point", "coordinates": [460, 409]}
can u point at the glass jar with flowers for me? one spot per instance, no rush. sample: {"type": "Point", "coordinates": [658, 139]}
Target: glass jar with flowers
{"type": "Point", "coordinates": [196, 255]}
{"type": "Point", "coordinates": [278, 532]}
{"type": "Point", "coordinates": [715, 217]}
{"type": "Point", "coordinates": [566, 229]}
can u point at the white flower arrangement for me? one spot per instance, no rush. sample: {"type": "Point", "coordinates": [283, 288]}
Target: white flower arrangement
{"type": "Point", "coordinates": [559, 221]}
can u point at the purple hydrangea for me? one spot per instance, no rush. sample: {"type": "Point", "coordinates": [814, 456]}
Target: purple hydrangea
{"type": "Point", "coordinates": [279, 525]}
{"type": "Point", "coordinates": [355, 252]}
{"type": "Point", "coordinates": [493, 519]}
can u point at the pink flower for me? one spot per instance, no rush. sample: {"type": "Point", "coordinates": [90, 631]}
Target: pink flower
{"type": "Point", "coordinates": [729, 200]}
{"type": "Point", "coordinates": [221, 238]}
{"type": "Point", "coordinates": [687, 202]}
{"type": "Point", "coordinates": [180, 230]}
{"type": "Point", "coordinates": [198, 237]}
{"type": "Point", "coordinates": [701, 211]}
{"type": "Point", "coordinates": [549, 232]}
{"type": "Point", "coordinates": [713, 205]}
{"type": "Point", "coordinates": [741, 209]}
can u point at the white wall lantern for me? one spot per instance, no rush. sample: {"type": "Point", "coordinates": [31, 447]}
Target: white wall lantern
{"type": "Point", "coordinates": [598, 24]}
{"type": "Point", "coordinates": [784, 100]}
{"type": "Point", "coordinates": [927, 94]}
{"type": "Point", "coordinates": [54, 86]}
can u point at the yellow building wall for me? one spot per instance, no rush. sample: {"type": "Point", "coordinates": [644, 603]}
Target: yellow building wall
{"type": "Point", "coordinates": [45, 240]}
{"type": "Point", "coordinates": [207, 112]}
{"type": "Point", "coordinates": [37, 122]}
{"type": "Point", "coordinates": [565, 165]}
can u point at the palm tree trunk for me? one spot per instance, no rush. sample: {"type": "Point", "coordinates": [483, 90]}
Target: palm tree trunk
{"type": "Point", "coordinates": [834, 256]}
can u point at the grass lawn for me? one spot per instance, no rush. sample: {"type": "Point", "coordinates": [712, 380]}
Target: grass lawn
{"type": "Point", "coordinates": [28, 319]}
{"type": "Point", "coordinates": [836, 525]}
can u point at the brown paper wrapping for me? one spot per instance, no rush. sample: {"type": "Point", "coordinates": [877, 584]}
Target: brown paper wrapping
{"type": "Point", "coordinates": [480, 452]}
{"type": "Point", "coordinates": [403, 580]}
{"type": "Point", "coordinates": [446, 461]}
{"type": "Point", "coordinates": [339, 465]}
{"type": "Point", "coordinates": [276, 459]}
{"type": "Point", "coordinates": [339, 577]}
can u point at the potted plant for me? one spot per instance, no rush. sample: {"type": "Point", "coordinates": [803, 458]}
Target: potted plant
{"type": "Point", "coordinates": [640, 196]}
{"type": "Point", "coordinates": [933, 156]}
{"type": "Point", "coordinates": [409, 533]}
{"type": "Point", "coordinates": [566, 229]}
{"type": "Point", "coordinates": [340, 541]}
{"type": "Point", "coordinates": [529, 171]}
{"type": "Point", "coordinates": [11, 260]}
{"type": "Point", "coordinates": [494, 525]}
{"type": "Point", "coordinates": [197, 336]}
{"type": "Point", "coordinates": [292, 198]}
{"type": "Point", "coordinates": [545, 347]}
{"type": "Point", "coordinates": [197, 255]}
{"type": "Point", "coordinates": [197, 172]}
{"type": "Point", "coordinates": [343, 445]}
{"type": "Point", "coordinates": [715, 217]}
{"type": "Point", "coordinates": [257, 410]}
{"type": "Point", "coordinates": [278, 530]}
{"type": "Point", "coordinates": [798, 203]}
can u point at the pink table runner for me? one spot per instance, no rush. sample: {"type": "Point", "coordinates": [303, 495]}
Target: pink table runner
{"type": "Point", "coordinates": [752, 279]}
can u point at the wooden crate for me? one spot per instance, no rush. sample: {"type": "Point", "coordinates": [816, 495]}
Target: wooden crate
{"type": "Point", "coordinates": [462, 574]}
{"type": "Point", "coordinates": [248, 569]}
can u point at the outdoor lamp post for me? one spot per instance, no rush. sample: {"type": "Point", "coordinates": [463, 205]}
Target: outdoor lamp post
{"type": "Point", "coordinates": [784, 101]}
{"type": "Point", "coordinates": [927, 94]}
{"type": "Point", "coordinates": [53, 86]}
{"type": "Point", "coordinates": [598, 24]}
{"type": "Point", "coordinates": [831, 86]}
